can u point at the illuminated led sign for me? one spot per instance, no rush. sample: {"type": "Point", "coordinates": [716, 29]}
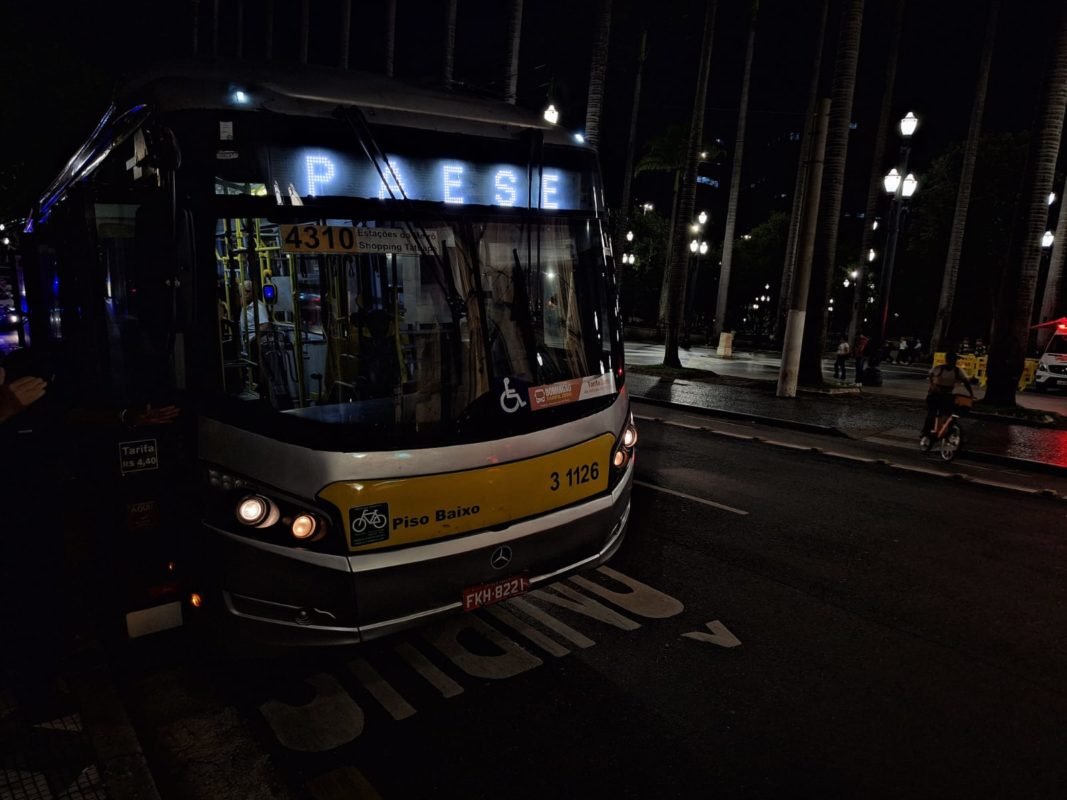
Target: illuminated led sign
{"type": "Point", "coordinates": [317, 172]}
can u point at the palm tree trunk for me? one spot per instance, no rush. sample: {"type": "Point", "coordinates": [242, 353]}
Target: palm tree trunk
{"type": "Point", "coordinates": [450, 42]}
{"type": "Point", "coordinates": [735, 179]}
{"type": "Point", "coordinates": [785, 291]}
{"type": "Point", "coordinates": [390, 37]}
{"type": "Point", "coordinates": [679, 265]}
{"type": "Point", "coordinates": [628, 170]}
{"type": "Point", "coordinates": [963, 196]}
{"type": "Point", "coordinates": [1050, 298]}
{"type": "Point", "coordinates": [344, 46]}
{"type": "Point", "coordinates": [844, 84]}
{"type": "Point", "coordinates": [596, 74]}
{"type": "Point", "coordinates": [665, 289]}
{"type": "Point", "coordinates": [1016, 301]}
{"type": "Point", "coordinates": [875, 189]}
{"type": "Point", "coordinates": [511, 78]}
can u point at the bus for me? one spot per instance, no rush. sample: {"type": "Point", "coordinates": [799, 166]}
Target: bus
{"type": "Point", "coordinates": [389, 317]}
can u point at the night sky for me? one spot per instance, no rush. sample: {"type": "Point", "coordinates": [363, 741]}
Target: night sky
{"type": "Point", "coordinates": [59, 64]}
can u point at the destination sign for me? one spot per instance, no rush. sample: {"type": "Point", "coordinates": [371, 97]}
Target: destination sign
{"type": "Point", "coordinates": [318, 172]}
{"type": "Point", "coordinates": [346, 239]}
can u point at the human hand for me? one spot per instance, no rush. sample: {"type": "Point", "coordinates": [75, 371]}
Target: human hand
{"type": "Point", "coordinates": [18, 394]}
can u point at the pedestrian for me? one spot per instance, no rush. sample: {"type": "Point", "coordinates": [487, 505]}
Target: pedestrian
{"type": "Point", "coordinates": [842, 359]}
{"type": "Point", "coordinates": [859, 352]}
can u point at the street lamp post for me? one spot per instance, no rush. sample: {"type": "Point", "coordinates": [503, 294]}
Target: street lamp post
{"type": "Point", "coordinates": [900, 188]}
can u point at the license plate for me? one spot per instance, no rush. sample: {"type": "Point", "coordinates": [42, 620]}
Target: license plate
{"type": "Point", "coordinates": [475, 597]}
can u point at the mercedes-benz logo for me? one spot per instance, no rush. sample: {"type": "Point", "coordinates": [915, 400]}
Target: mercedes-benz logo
{"type": "Point", "coordinates": [501, 557]}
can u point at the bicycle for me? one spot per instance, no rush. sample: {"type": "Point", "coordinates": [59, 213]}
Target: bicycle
{"type": "Point", "coordinates": [947, 434]}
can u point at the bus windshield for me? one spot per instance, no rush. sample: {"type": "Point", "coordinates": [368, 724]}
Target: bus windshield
{"type": "Point", "coordinates": [467, 328]}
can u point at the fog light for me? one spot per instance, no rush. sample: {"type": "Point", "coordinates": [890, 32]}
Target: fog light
{"type": "Point", "coordinates": [629, 436]}
{"type": "Point", "coordinates": [620, 458]}
{"type": "Point", "coordinates": [304, 526]}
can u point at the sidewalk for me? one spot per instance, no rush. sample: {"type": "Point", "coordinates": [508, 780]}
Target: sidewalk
{"type": "Point", "coordinates": [881, 418]}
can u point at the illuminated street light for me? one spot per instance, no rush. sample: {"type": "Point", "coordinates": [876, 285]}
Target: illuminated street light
{"type": "Point", "coordinates": [702, 217]}
{"type": "Point", "coordinates": [908, 125]}
{"type": "Point", "coordinates": [551, 115]}
{"type": "Point", "coordinates": [695, 227]}
{"type": "Point", "coordinates": [847, 283]}
{"type": "Point", "coordinates": [579, 138]}
{"type": "Point", "coordinates": [694, 246]}
{"type": "Point", "coordinates": [911, 183]}
{"type": "Point", "coordinates": [704, 155]}
{"type": "Point", "coordinates": [766, 286]}
{"type": "Point", "coordinates": [854, 274]}
{"type": "Point", "coordinates": [874, 225]}
{"type": "Point", "coordinates": [629, 236]}
{"type": "Point", "coordinates": [891, 181]}
{"type": "Point", "coordinates": [703, 248]}
{"type": "Point", "coordinates": [1051, 198]}
{"type": "Point", "coordinates": [1046, 240]}
{"type": "Point", "coordinates": [870, 256]}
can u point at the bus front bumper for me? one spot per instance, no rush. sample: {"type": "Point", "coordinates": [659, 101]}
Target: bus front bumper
{"type": "Point", "coordinates": [277, 596]}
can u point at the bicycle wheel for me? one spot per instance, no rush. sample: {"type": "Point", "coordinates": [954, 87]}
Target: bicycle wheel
{"type": "Point", "coordinates": [950, 443]}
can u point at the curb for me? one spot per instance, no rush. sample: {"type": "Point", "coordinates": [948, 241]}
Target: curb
{"type": "Point", "coordinates": [805, 427]}
{"type": "Point", "coordinates": [826, 430]}
{"type": "Point", "coordinates": [120, 758]}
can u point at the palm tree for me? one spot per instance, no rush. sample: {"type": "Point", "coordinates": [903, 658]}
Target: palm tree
{"type": "Point", "coordinates": [963, 197]}
{"type": "Point", "coordinates": [450, 42]}
{"type": "Point", "coordinates": [627, 178]}
{"type": "Point", "coordinates": [390, 37]}
{"type": "Point", "coordinates": [875, 188]}
{"type": "Point", "coordinates": [667, 153]}
{"type": "Point", "coordinates": [1010, 327]}
{"type": "Point", "coordinates": [596, 74]}
{"type": "Point", "coordinates": [511, 78]}
{"type": "Point", "coordinates": [844, 84]}
{"type": "Point", "coordinates": [1050, 298]}
{"type": "Point", "coordinates": [785, 291]}
{"type": "Point", "coordinates": [735, 176]}
{"type": "Point", "coordinates": [678, 267]}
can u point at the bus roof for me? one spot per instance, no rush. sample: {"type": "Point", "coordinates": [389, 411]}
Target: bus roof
{"type": "Point", "coordinates": [304, 90]}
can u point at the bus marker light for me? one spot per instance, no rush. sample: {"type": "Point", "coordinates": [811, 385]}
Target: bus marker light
{"type": "Point", "coordinates": [304, 526]}
{"type": "Point", "coordinates": [629, 436]}
{"type": "Point", "coordinates": [620, 458]}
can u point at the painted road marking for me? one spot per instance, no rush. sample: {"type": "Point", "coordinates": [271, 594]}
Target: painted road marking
{"type": "Point", "coordinates": [642, 599]}
{"type": "Point", "coordinates": [711, 503]}
{"type": "Point", "coordinates": [422, 665]}
{"type": "Point", "coordinates": [550, 646]}
{"type": "Point", "coordinates": [719, 635]}
{"type": "Point", "coordinates": [513, 659]}
{"type": "Point", "coordinates": [331, 719]}
{"type": "Point", "coordinates": [562, 628]}
{"type": "Point", "coordinates": [566, 597]}
{"type": "Point", "coordinates": [381, 690]}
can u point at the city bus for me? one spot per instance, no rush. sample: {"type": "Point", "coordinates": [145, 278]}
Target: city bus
{"type": "Point", "coordinates": [389, 318]}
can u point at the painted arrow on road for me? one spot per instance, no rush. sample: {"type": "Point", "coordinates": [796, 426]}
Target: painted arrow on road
{"type": "Point", "coordinates": [719, 635]}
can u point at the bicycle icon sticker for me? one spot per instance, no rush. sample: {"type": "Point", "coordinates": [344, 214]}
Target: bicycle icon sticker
{"type": "Point", "coordinates": [510, 400]}
{"type": "Point", "coordinates": [369, 524]}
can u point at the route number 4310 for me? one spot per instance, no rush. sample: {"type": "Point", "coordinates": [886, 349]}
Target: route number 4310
{"type": "Point", "coordinates": [583, 473]}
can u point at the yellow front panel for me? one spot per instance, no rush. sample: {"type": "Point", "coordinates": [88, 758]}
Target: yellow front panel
{"type": "Point", "coordinates": [388, 513]}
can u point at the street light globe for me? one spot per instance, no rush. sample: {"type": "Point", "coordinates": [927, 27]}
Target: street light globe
{"type": "Point", "coordinates": [702, 217]}
{"type": "Point", "coordinates": [766, 286]}
{"type": "Point", "coordinates": [874, 225]}
{"type": "Point", "coordinates": [911, 183]}
{"type": "Point", "coordinates": [693, 246]}
{"type": "Point", "coordinates": [908, 125]}
{"type": "Point", "coordinates": [847, 283]}
{"type": "Point", "coordinates": [703, 248]}
{"type": "Point", "coordinates": [1051, 198]}
{"type": "Point", "coordinates": [1047, 239]}
{"type": "Point", "coordinates": [854, 274]}
{"type": "Point", "coordinates": [551, 115]}
{"type": "Point", "coordinates": [629, 236]}
{"type": "Point", "coordinates": [891, 181]}
{"type": "Point", "coordinates": [695, 227]}
{"type": "Point", "coordinates": [870, 257]}
{"type": "Point", "coordinates": [703, 155]}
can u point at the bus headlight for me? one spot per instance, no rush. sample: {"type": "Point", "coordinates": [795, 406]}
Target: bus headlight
{"type": "Point", "coordinates": [303, 527]}
{"type": "Point", "coordinates": [257, 511]}
{"type": "Point", "coordinates": [629, 435]}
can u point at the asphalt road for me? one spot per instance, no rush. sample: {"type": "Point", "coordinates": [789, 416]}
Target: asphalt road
{"type": "Point", "coordinates": [778, 623]}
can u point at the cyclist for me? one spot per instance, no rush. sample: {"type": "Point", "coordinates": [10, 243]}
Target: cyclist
{"type": "Point", "coordinates": [939, 400]}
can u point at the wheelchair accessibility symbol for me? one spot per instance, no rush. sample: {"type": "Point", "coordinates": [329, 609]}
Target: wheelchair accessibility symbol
{"type": "Point", "coordinates": [510, 400]}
